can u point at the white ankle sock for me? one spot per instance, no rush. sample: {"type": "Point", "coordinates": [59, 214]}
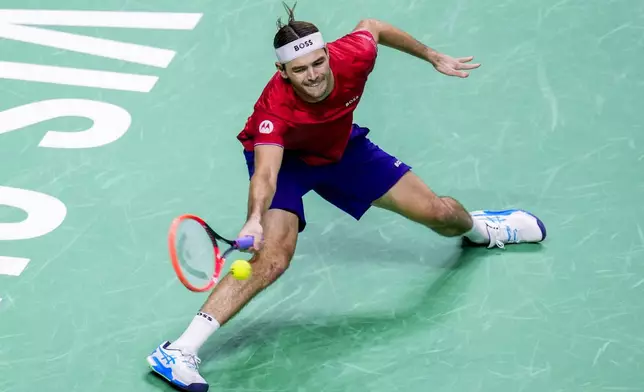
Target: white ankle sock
{"type": "Point", "coordinates": [199, 330]}
{"type": "Point", "coordinates": [478, 233]}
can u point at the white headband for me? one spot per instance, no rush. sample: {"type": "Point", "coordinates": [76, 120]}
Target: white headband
{"type": "Point", "coordinates": [300, 47]}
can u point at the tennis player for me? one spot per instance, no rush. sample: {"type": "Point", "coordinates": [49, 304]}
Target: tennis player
{"type": "Point", "coordinates": [301, 137]}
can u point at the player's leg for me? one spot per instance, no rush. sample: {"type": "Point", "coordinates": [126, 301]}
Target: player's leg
{"type": "Point", "coordinates": [178, 361]}
{"type": "Point", "coordinates": [413, 199]}
{"type": "Point", "coordinates": [368, 176]}
{"type": "Point", "coordinates": [231, 295]}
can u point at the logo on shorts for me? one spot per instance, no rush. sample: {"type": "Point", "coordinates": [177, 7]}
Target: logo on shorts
{"type": "Point", "coordinates": [266, 127]}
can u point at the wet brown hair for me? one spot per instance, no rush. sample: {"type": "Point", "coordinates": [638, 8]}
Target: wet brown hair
{"type": "Point", "coordinates": [292, 30]}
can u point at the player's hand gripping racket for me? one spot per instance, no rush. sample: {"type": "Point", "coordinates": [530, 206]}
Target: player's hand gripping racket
{"type": "Point", "coordinates": [195, 254]}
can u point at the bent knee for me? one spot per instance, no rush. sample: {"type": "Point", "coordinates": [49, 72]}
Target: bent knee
{"type": "Point", "coordinates": [279, 260]}
{"type": "Point", "coordinates": [273, 261]}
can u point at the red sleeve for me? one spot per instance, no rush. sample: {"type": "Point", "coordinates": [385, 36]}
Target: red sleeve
{"type": "Point", "coordinates": [368, 45]}
{"type": "Point", "coordinates": [363, 50]}
{"type": "Point", "coordinates": [263, 128]}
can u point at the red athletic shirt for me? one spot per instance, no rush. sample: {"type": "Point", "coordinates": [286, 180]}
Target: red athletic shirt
{"type": "Point", "coordinates": [319, 132]}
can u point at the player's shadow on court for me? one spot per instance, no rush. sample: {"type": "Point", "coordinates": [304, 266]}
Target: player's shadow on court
{"type": "Point", "coordinates": [427, 251]}
{"type": "Point", "coordinates": [311, 342]}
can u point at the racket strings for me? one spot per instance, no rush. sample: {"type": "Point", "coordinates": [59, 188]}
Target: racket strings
{"type": "Point", "coordinates": [196, 250]}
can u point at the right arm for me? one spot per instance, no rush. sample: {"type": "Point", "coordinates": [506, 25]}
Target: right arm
{"type": "Point", "coordinates": [264, 133]}
{"type": "Point", "coordinates": [263, 183]}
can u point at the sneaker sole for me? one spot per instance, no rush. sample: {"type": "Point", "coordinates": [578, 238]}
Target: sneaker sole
{"type": "Point", "coordinates": [153, 365]}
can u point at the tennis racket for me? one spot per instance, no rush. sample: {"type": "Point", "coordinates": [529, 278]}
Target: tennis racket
{"type": "Point", "coordinates": [195, 254]}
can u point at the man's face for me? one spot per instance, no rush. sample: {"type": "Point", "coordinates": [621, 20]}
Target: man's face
{"type": "Point", "coordinates": [310, 75]}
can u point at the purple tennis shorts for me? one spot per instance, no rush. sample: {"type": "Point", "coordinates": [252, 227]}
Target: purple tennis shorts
{"type": "Point", "coordinates": [364, 174]}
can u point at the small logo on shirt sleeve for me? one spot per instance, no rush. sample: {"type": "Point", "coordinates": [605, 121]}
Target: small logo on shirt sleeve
{"type": "Point", "coordinates": [266, 126]}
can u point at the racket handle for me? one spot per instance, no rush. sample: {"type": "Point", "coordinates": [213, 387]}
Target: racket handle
{"type": "Point", "coordinates": [245, 242]}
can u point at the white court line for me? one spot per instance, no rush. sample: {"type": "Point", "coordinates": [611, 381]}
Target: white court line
{"type": "Point", "coordinates": [119, 19]}
{"type": "Point", "coordinates": [76, 77]}
{"type": "Point", "coordinates": [12, 266]}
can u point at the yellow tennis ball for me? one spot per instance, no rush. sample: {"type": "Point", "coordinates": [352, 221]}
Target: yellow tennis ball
{"type": "Point", "coordinates": [241, 269]}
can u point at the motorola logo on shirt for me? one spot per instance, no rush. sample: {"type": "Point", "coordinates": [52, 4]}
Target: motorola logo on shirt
{"type": "Point", "coordinates": [266, 126]}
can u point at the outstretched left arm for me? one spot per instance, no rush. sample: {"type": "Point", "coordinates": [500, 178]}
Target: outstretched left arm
{"type": "Point", "coordinates": [393, 37]}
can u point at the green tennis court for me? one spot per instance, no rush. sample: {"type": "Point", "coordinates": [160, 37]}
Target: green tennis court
{"type": "Point", "coordinates": [114, 122]}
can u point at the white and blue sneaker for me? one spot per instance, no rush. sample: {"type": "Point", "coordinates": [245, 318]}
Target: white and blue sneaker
{"type": "Point", "coordinates": [510, 227]}
{"type": "Point", "coordinates": [180, 368]}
